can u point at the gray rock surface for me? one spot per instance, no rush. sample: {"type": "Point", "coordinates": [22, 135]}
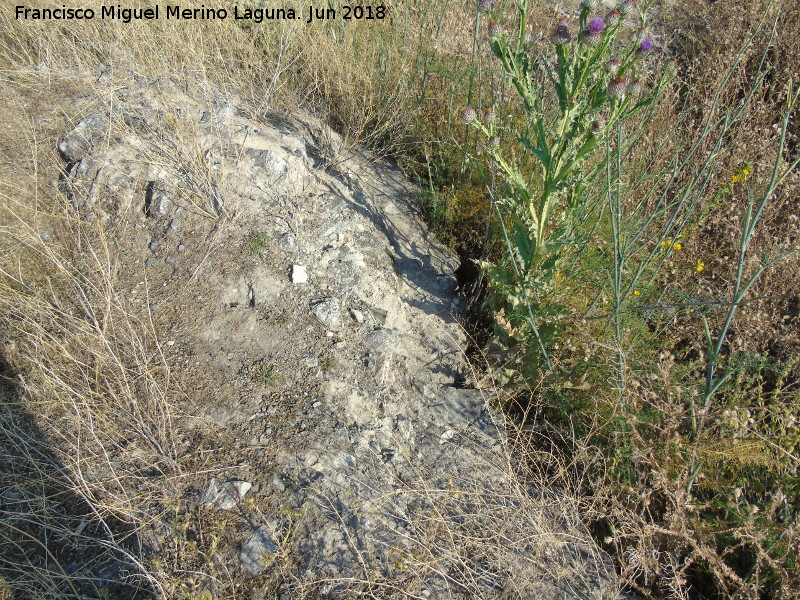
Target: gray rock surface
{"type": "Point", "coordinates": [257, 551]}
{"type": "Point", "coordinates": [337, 399]}
{"type": "Point", "coordinates": [78, 142]}
{"type": "Point", "coordinates": [226, 496]}
{"type": "Point", "coordinates": [328, 313]}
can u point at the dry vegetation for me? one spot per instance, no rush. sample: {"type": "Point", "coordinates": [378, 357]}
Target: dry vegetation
{"type": "Point", "coordinates": [89, 414]}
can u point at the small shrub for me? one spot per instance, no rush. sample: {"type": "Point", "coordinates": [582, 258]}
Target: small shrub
{"type": "Point", "coordinates": [550, 207]}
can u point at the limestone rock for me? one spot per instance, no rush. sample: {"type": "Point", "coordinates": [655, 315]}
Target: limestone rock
{"type": "Point", "coordinates": [78, 142]}
{"type": "Point", "coordinates": [299, 274]}
{"type": "Point", "coordinates": [328, 313]}
{"type": "Point", "coordinates": [256, 552]}
{"type": "Point", "coordinates": [287, 242]}
{"type": "Point", "coordinates": [345, 383]}
{"type": "Point", "coordinates": [225, 496]}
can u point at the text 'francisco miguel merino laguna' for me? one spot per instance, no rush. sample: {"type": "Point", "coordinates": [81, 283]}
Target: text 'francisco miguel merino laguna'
{"type": "Point", "coordinates": [126, 15]}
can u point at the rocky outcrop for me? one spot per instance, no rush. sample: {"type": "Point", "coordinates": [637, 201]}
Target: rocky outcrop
{"type": "Point", "coordinates": [310, 317]}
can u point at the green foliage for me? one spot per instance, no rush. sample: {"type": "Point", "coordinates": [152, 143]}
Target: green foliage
{"type": "Point", "coordinates": [265, 374]}
{"type": "Point", "coordinates": [550, 205]}
{"type": "Point", "coordinates": [257, 241]}
{"type": "Point", "coordinates": [703, 446]}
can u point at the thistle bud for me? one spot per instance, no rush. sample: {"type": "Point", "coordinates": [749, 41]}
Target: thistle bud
{"type": "Point", "coordinates": [591, 39]}
{"type": "Point", "coordinates": [588, 4]}
{"type": "Point", "coordinates": [495, 31]}
{"type": "Point", "coordinates": [467, 114]}
{"type": "Point", "coordinates": [613, 17]}
{"type": "Point", "coordinates": [485, 6]}
{"type": "Point", "coordinates": [596, 25]}
{"type": "Point", "coordinates": [616, 88]}
{"type": "Point", "coordinates": [561, 35]}
{"type": "Point", "coordinates": [598, 125]}
{"type": "Point", "coordinates": [626, 7]}
{"type": "Point", "coordinates": [614, 64]}
{"type": "Point", "coordinates": [634, 87]}
{"type": "Point", "coordinates": [489, 116]}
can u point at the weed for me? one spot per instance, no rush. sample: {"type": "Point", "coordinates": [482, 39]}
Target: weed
{"type": "Point", "coordinates": [257, 241]}
{"type": "Point", "coordinates": [547, 208]}
{"type": "Point", "coordinates": [326, 363]}
{"type": "Point", "coordinates": [265, 374]}
{"type": "Point", "coordinates": [277, 319]}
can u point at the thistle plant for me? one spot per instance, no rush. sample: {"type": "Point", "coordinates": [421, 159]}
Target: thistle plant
{"type": "Point", "coordinates": [603, 228]}
{"type": "Point", "coordinates": [589, 85]}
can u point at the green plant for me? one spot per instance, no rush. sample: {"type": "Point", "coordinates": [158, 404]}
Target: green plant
{"type": "Point", "coordinates": [548, 209]}
{"type": "Point", "coordinates": [265, 374]}
{"type": "Point", "coordinates": [257, 241]}
{"type": "Point", "coordinates": [603, 280]}
{"type": "Point", "coordinates": [326, 363]}
{"type": "Point", "coordinates": [741, 284]}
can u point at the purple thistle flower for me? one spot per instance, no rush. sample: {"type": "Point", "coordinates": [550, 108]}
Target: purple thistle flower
{"type": "Point", "coordinates": [596, 25]}
{"type": "Point", "coordinates": [485, 6]}
{"type": "Point", "coordinates": [616, 89]}
{"type": "Point", "coordinates": [645, 46]}
{"type": "Point", "coordinates": [467, 114]}
{"type": "Point", "coordinates": [593, 34]}
{"type": "Point", "coordinates": [561, 35]}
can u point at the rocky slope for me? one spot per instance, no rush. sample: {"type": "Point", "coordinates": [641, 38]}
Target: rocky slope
{"type": "Point", "coordinates": [311, 319]}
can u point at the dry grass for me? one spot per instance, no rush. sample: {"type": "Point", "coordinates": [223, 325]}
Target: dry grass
{"type": "Point", "coordinates": [88, 440]}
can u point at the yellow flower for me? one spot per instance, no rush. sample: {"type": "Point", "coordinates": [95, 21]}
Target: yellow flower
{"type": "Point", "coordinates": [637, 293]}
{"type": "Point", "coordinates": [677, 246]}
{"type": "Point", "coordinates": [700, 266]}
{"type": "Point", "coordinates": [741, 174]}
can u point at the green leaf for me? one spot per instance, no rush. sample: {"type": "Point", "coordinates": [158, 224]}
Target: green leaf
{"type": "Point", "coordinates": [588, 147]}
{"type": "Point", "coordinates": [541, 153]}
{"type": "Point", "coordinates": [523, 244]}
